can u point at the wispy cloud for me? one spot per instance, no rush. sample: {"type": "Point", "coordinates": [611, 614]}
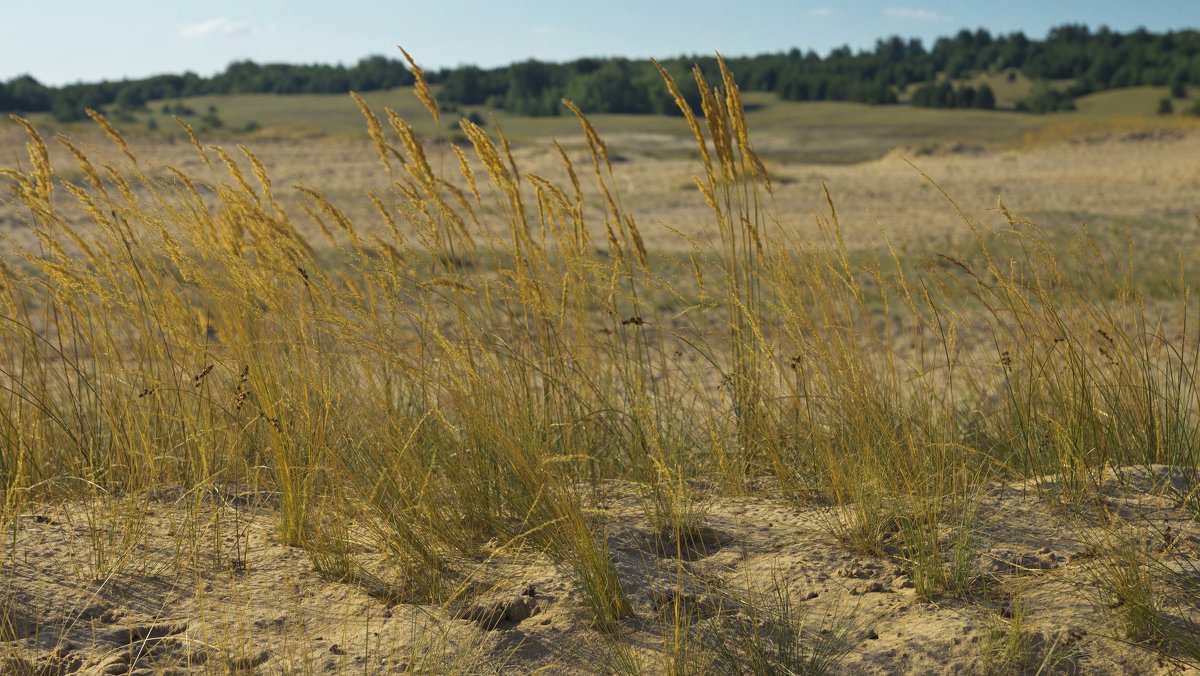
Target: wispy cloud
{"type": "Point", "coordinates": [916, 14]}
{"type": "Point", "coordinates": [820, 11]}
{"type": "Point", "coordinates": [221, 25]}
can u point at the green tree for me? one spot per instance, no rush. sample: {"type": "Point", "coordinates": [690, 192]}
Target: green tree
{"type": "Point", "coordinates": [532, 89]}
{"type": "Point", "coordinates": [964, 97]}
{"type": "Point", "coordinates": [466, 85]}
{"type": "Point", "coordinates": [611, 88]}
{"type": "Point", "coordinates": [925, 96]}
{"type": "Point", "coordinates": [661, 101]}
{"type": "Point", "coordinates": [377, 72]}
{"type": "Point", "coordinates": [28, 95]}
{"type": "Point", "coordinates": [985, 98]}
{"type": "Point", "coordinates": [1045, 99]}
{"type": "Point", "coordinates": [130, 98]}
{"type": "Point", "coordinates": [69, 103]}
{"type": "Point", "coordinates": [1179, 84]}
{"type": "Point", "coordinates": [66, 109]}
{"type": "Point", "coordinates": [211, 119]}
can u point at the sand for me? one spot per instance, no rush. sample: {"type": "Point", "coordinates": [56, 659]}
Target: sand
{"type": "Point", "coordinates": [166, 600]}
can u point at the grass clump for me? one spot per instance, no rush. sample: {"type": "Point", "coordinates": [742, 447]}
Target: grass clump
{"type": "Point", "coordinates": [772, 636]}
{"type": "Point", "coordinates": [1012, 646]}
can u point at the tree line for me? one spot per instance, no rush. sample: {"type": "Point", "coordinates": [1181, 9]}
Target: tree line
{"type": "Point", "coordinates": [1093, 60]}
{"type": "Point", "coordinates": [67, 103]}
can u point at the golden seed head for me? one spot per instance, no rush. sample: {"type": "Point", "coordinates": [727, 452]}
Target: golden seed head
{"type": "Point", "coordinates": [421, 87]}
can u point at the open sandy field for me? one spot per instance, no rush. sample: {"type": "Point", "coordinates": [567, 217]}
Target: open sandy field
{"type": "Point", "coordinates": [1143, 180]}
{"type": "Point", "coordinates": [247, 603]}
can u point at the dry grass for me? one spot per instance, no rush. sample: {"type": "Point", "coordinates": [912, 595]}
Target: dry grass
{"type": "Point", "coordinates": [456, 369]}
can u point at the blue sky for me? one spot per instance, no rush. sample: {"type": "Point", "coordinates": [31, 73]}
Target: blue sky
{"type": "Point", "coordinates": [63, 41]}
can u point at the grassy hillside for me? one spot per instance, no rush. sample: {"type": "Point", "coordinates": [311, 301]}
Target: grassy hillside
{"type": "Point", "coordinates": [826, 132]}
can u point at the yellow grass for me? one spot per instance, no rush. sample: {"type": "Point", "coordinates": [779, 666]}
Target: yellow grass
{"type": "Point", "coordinates": [458, 364]}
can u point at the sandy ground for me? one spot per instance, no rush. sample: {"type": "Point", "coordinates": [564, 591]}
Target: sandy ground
{"type": "Point", "coordinates": [1148, 182]}
{"type": "Point", "coordinates": [160, 606]}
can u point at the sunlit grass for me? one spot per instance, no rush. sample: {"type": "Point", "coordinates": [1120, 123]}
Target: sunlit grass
{"type": "Point", "coordinates": [475, 364]}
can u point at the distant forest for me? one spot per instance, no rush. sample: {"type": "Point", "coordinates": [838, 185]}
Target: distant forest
{"type": "Point", "coordinates": [1091, 60]}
